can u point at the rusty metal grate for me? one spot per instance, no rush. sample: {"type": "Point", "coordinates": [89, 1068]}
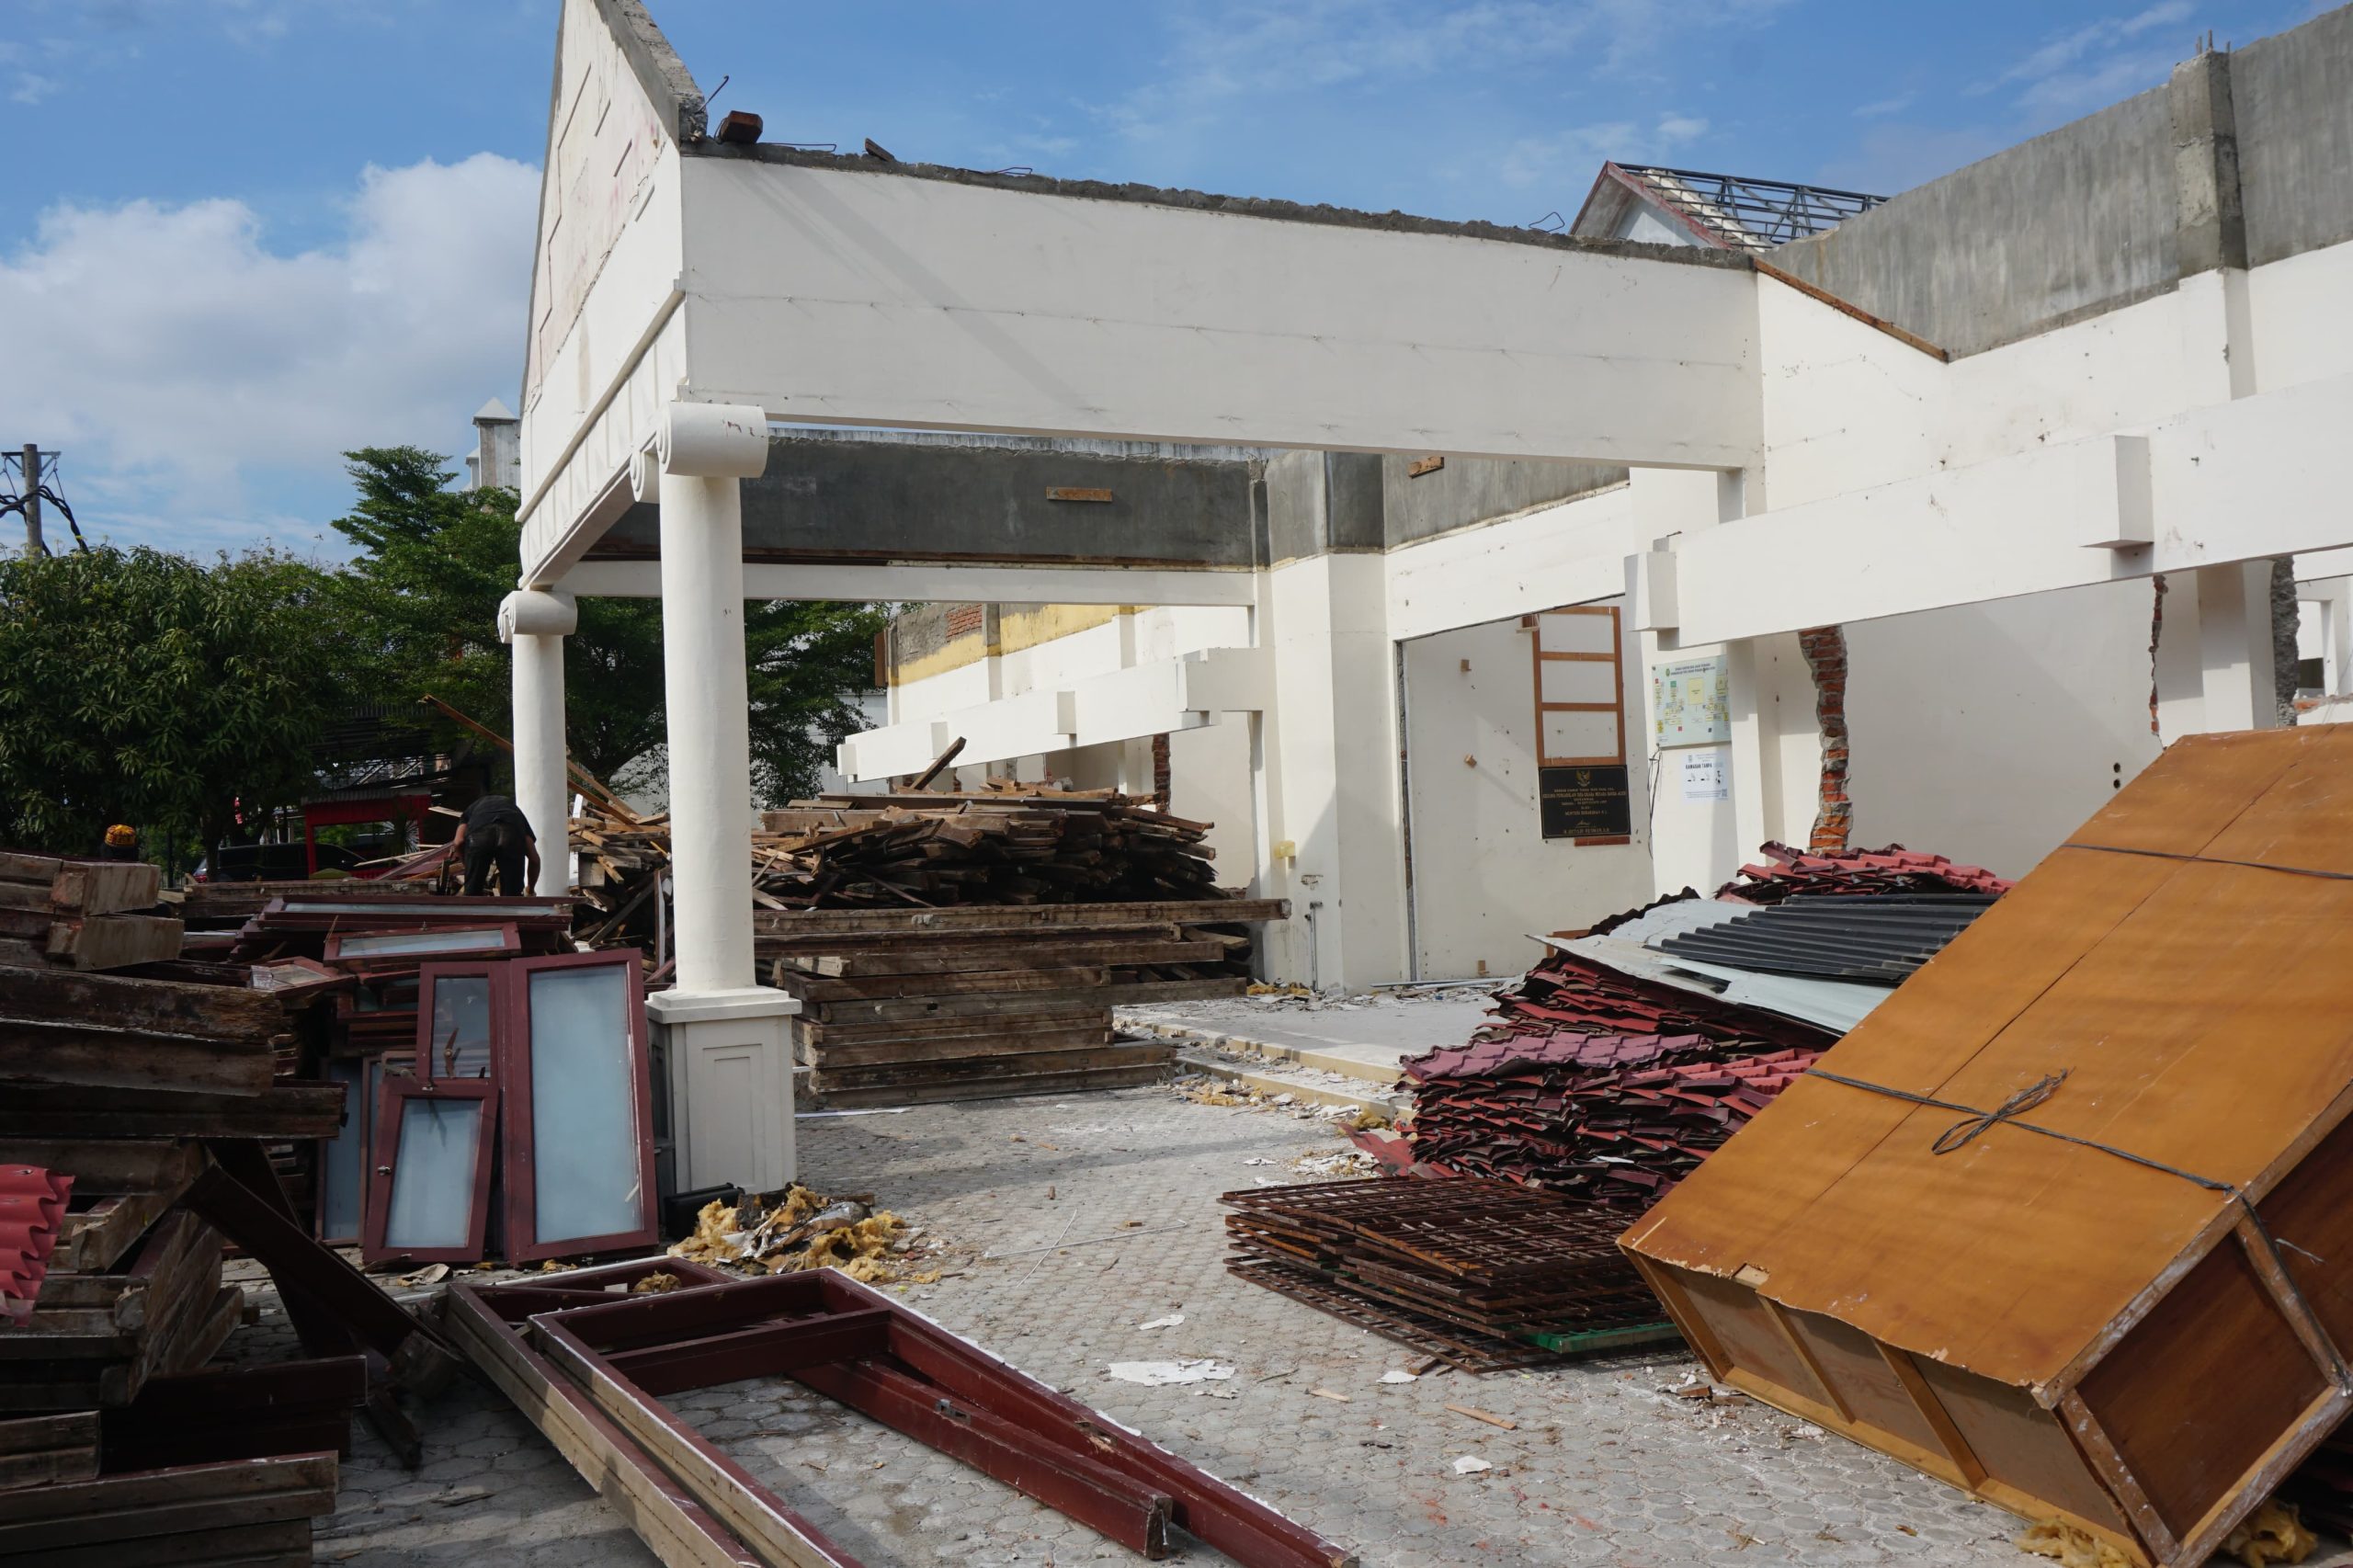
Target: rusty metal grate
{"type": "Point", "coordinates": [1469, 1271]}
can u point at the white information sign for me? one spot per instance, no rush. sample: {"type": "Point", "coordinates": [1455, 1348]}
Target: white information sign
{"type": "Point", "coordinates": [1707, 773]}
{"type": "Point", "coordinates": [1693, 701]}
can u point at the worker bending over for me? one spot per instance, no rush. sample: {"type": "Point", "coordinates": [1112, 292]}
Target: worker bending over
{"type": "Point", "coordinates": [495, 833]}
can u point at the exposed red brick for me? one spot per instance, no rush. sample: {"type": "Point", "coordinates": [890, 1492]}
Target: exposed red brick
{"type": "Point", "coordinates": [1825, 656]}
{"type": "Point", "coordinates": [1160, 771]}
{"type": "Point", "coordinates": [964, 619]}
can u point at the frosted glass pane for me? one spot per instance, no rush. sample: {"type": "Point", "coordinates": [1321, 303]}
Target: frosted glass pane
{"type": "Point", "coordinates": [459, 1041]}
{"type": "Point", "coordinates": [1580, 735]}
{"type": "Point", "coordinates": [1558, 633]}
{"type": "Point", "coordinates": [1576, 680]}
{"type": "Point", "coordinates": [433, 1174]}
{"type": "Point", "coordinates": [340, 1172]}
{"type": "Point", "coordinates": [584, 1164]}
{"type": "Point", "coordinates": [424, 942]}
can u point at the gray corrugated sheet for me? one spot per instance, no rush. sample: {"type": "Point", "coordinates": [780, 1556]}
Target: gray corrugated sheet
{"type": "Point", "coordinates": [1874, 940]}
{"type": "Point", "coordinates": [1828, 1002]}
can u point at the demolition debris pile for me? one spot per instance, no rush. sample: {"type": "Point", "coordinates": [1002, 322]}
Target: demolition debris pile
{"type": "Point", "coordinates": [139, 1109]}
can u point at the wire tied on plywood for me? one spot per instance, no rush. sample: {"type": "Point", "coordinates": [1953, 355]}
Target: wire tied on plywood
{"type": "Point", "coordinates": [2214, 861]}
{"type": "Point", "coordinates": [2041, 1089]}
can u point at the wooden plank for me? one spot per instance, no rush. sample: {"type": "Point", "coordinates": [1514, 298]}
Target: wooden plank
{"type": "Point", "coordinates": [942, 957]}
{"type": "Point", "coordinates": [1021, 918]}
{"type": "Point", "coordinates": [1010, 1085]}
{"type": "Point", "coordinates": [218, 1012]}
{"type": "Point", "coordinates": [982, 1005]}
{"type": "Point", "coordinates": [180, 1483]}
{"type": "Point", "coordinates": [718, 1482]}
{"type": "Point", "coordinates": [94, 1056]}
{"type": "Point", "coordinates": [1076, 1016]}
{"type": "Point", "coordinates": [834, 1059]}
{"type": "Point", "coordinates": [891, 987]}
{"type": "Point", "coordinates": [289, 1111]}
{"type": "Point", "coordinates": [47, 1467]}
{"type": "Point", "coordinates": [110, 941]}
{"type": "Point", "coordinates": [37, 1434]}
{"type": "Point", "coordinates": [677, 1530]}
{"type": "Point", "coordinates": [283, 1543]}
{"type": "Point", "coordinates": [109, 1165]}
{"type": "Point", "coordinates": [982, 1070]}
{"type": "Point", "coordinates": [1143, 993]}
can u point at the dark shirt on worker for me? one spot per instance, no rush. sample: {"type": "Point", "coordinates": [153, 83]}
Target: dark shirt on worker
{"type": "Point", "coordinates": [494, 811]}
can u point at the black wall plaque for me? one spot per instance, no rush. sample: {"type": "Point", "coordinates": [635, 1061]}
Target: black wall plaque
{"type": "Point", "coordinates": [1584, 802]}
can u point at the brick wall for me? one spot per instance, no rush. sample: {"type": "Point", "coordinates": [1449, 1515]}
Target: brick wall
{"type": "Point", "coordinates": [1826, 655]}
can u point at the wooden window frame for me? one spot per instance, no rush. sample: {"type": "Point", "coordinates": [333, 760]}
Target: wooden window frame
{"type": "Point", "coordinates": [510, 940]}
{"type": "Point", "coordinates": [491, 970]}
{"type": "Point", "coordinates": [513, 1069]}
{"type": "Point", "coordinates": [357, 1123]}
{"type": "Point", "coordinates": [1615, 658]}
{"type": "Point", "coordinates": [376, 1219]}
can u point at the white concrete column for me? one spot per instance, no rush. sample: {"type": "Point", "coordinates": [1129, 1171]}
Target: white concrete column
{"type": "Point", "coordinates": [1333, 783]}
{"type": "Point", "coordinates": [707, 449]}
{"type": "Point", "coordinates": [533, 623]}
{"type": "Point", "coordinates": [2213, 665]}
{"type": "Point", "coordinates": [2235, 646]}
{"type": "Point", "coordinates": [722, 1036]}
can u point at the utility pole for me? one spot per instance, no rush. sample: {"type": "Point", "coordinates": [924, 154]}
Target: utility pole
{"type": "Point", "coordinates": [32, 499]}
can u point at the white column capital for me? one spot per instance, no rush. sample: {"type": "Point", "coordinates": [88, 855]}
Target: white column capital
{"type": "Point", "coordinates": [713, 440]}
{"type": "Point", "coordinates": [538, 612]}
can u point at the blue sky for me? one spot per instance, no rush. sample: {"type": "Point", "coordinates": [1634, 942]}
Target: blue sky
{"type": "Point", "coordinates": [247, 234]}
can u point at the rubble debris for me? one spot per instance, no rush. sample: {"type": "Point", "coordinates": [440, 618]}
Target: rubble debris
{"type": "Point", "coordinates": [1163, 1374]}
{"type": "Point", "coordinates": [1786, 873]}
{"type": "Point", "coordinates": [1171, 1321]}
{"type": "Point", "coordinates": [1470, 1464]}
{"type": "Point", "coordinates": [1997, 1121]}
{"type": "Point", "coordinates": [1483, 1275]}
{"type": "Point", "coordinates": [798, 1229]}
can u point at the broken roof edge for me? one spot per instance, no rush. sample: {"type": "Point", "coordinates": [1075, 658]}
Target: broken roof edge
{"type": "Point", "coordinates": [659, 71]}
{"type": "Point", "coordinates": [1268, 207]}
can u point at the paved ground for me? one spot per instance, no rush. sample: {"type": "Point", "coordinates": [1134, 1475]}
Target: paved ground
{"type": "Point", "coordinates": [1038, 1198]}
{"type": "Point", "coordinates": [1377, 1030]}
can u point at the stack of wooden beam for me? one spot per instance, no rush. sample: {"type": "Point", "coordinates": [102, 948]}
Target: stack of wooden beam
{"type": "Point", "coordinates": [245, 1512]}
{"type": "Point", "coordinates": [1483, 1275]}
{"type": "Point", "coordinates": [82, 914]}
{"type": "Point", "coordinates": [905, 1005]}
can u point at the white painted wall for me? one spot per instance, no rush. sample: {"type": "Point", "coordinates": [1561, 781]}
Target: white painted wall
{"type": "Point", "coordinates": [1484, 876]}
{"type": "Point", "coordinates": [1990, 732]}
{"type": "Point", "coordinates": [826, 294]}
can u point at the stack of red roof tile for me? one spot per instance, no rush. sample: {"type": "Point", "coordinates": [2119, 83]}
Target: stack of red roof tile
{"type": "Point", "coordinates": [1570, 994]}
{"type": "Point", "coordinates": [1617, 1118]}
{"type": "Point", "coordinates": [1788, 871]}
{"type": "Point", "coordinates": [32, 1201]}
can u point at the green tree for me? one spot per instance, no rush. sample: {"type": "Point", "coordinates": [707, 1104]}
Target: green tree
{"type": "Point", "coordinates": [149, 689]}
{"type": "Point", "coordinates": [423, 594]}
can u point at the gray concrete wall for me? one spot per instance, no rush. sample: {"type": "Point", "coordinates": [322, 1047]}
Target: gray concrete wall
{"type": "Point", "coordinates": [2069, 224]}
{"type": "Point", "coordinates": [1295, 492]}
{"type": "Point", "coordinates": [2293, 94]}
{"type": "Point", "coordinates": [830, 497]}
{"type": "Point", "coordinates": [1470, 491]}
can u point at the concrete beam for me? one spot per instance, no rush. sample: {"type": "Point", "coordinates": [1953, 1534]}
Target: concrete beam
{"type": "Point", "coordinates": [923, 582]}
{"type": "Point", "coordinates": [2243, 481]}
{"type": "Point", "coordinates": [838, 293]}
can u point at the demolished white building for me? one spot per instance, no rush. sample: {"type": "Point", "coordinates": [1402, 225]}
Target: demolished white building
{"type": "Point", "coordinates": [1951, 515]}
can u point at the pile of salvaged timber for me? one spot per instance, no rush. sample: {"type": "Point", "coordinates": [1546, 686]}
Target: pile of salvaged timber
{"type": "Point", "coordinates": [77, 914]}
{"type": "Point", "coordinates": [913, 1004]}
{"type": "Point", "coordinates": [134, 1115]}
{"type": "Point", "coordinates": [911, 850]}
{"type": "Point", "coordinates": [1482, 1274]}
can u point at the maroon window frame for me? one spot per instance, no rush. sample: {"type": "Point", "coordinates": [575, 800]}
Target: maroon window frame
{"type": "Point", "coordinates": [510, 941]}
{"type": "Point", "coordinates": [428, 1050]}
{"type": "Point", "coordinates": [386, 1139]}
{"type": "Point", "coordinates": [519, 1172]}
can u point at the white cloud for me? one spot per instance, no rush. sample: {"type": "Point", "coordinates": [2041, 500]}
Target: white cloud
{"type": "Point", "coordinates": [1226, 54]}
{"type": "Point", "coordinates": [2093, 65]}
{"type": "Point", "coordinates": [1884, 107]}
{"type": "Point", "coordinates": [1572, 154]}
{"type": "Point", "coordinates": [182, 364]}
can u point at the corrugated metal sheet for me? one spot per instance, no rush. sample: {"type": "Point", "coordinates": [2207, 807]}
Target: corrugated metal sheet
{"type": "Point", "coordinates": [32, 1205]}
{"type": "Point", "coordinates": [1878, 940]}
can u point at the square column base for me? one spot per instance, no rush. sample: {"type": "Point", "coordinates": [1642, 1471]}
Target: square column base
{"type": "Point", "coordinates": [728, 1069]}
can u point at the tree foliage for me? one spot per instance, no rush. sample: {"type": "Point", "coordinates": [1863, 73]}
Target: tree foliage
{"type": "Point", "coordinates": [425, 590]}
{"type": "Point", "coordinates": [148, 688]}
